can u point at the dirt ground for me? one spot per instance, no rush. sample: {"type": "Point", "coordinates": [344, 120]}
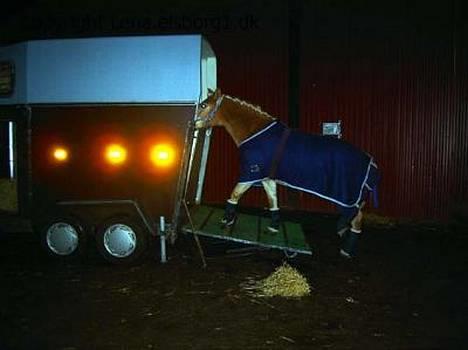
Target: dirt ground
{"type": "Point", "coordinates": [408, 290]}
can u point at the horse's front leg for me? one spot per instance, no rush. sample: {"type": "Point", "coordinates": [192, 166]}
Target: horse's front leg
{"type": "Point", "coordinates": [270, 189]}
{"type": "Point", "coordinates": [231, 205]}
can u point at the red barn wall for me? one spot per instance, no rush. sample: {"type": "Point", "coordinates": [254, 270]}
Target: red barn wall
{"type": "Point", "coordinates": [396, 78]}
{"type": "Point", "coordinates": [394, 72]}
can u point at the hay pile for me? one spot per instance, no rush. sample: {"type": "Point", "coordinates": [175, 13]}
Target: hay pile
{"type": "Point", "coordinates": [285, 282]}
{"type": "Point", "coordinates": [379, 221]}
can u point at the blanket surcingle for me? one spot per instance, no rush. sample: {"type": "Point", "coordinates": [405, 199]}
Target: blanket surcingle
{"type": "Point", "coordinates": [321, 165]}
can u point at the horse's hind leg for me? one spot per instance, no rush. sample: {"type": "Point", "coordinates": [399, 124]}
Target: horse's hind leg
{"type": "Point", "coordinates": [356, 223]}
{"type": "Point", "coordinates": [352, 236]}
{"type": "Point", "coordinates": [231, 204]}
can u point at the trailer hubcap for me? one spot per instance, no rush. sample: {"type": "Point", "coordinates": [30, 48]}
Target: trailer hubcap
{"type": "Point", "coordinates": [62, 238]}
{"type": "Point", "coordinates": [120, 240]}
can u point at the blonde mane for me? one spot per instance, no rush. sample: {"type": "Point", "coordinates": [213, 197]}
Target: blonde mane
{"type": "Point", "coordinates": [248, 105]}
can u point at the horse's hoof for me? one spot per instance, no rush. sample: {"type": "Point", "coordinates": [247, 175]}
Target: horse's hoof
{"type": "Point", "coordinates": [272, 230]}
{"type": "Point", "coordinates": [227, 223]}
{"type": "Point", "coordinates": [342, 231]}
{"type": "Point", "coordinates": [346, 255]}
{"type": "Point", "coordinates": [350, 244]}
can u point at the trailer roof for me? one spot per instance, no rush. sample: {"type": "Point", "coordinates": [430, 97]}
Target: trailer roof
{"type": "Point", "coordinates": [141, 69]}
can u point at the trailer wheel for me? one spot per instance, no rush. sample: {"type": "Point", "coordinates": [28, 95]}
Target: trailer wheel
{"type": "Point", "coordinates": [122, 241]}
{"type": "Point", "coordinates": [63, 237]}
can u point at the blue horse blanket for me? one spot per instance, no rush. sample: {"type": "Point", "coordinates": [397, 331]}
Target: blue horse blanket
{"type": "Point", "coordinates": [321, 165]}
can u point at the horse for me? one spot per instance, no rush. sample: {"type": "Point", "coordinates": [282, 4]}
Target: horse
{"type": "Point", "coordinates": [271, 154]}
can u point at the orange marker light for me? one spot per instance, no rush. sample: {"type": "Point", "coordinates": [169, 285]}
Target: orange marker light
{"type": "Point", "coordinates": [162, 155]}
{"type": "Point", "coordinates": [60, 154]}
{"type": "Point", "coordinates": [115, 154]}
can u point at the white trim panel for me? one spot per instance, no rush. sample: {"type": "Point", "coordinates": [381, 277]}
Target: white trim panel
{"type": "Point", "coordinates": [141, 69]}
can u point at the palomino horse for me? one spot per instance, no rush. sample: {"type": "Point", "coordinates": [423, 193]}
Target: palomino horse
{"type": "Point", "coordinates": [273, 154]}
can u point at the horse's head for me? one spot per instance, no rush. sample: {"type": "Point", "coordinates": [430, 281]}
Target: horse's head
{"type": "Point", "coordinates": [207, 110]}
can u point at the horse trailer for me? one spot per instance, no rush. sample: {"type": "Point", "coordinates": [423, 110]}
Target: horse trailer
{"type": "Point", "coordinates": [97, 137]}
{"type": "Point", "coordinates": [99, 143]}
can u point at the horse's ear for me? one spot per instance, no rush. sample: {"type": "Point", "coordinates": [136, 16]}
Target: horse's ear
{"type": "Point", "coordinates": [210, 92]}
{"type": "Point", "coordinates": [218, 92]}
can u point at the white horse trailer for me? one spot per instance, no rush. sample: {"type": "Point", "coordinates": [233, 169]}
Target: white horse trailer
{"type": "Point", "coordinates": [98, 138]}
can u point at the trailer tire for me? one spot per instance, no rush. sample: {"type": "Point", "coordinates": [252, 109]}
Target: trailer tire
{"type": "Point", "coordinates": [121, 240]}
{"type": "Point", "coordinates": [63, 237]}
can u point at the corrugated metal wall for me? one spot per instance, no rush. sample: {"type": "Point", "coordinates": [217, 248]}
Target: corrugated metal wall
{"type": "Point", "coordinates": [395, 75]}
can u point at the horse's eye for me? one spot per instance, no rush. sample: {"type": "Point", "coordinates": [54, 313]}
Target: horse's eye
{"type": "Point", "coordinates": [203, 106]}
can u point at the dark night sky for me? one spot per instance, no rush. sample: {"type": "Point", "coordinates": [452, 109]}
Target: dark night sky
{"type": "Point", "coordinates": [45, 19]}
{"type": "Point", "coordinates": [53, 18]}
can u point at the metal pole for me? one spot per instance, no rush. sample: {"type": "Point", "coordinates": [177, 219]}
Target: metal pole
{"type": "Point", "coordinates": [195, 235]}
{"type": "Point", "coordinates": [203, 162]}
{"type": "Point", "coordinates": [162, 238]}
{"type": "Point", "coordinates": [11, 153]}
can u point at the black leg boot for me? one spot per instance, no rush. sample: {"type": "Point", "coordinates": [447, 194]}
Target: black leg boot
{"type": "Point", "coordinates": [344, 222]}
{"type": "Point", "coordinates": [229, 214]}
{"type": "Point", "coordinates": [350, 243]}
{"type": "Point", "coordinates": [275, 222]}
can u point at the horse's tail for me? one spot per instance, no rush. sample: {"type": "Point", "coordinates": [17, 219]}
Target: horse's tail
{"type": "Point", "coordinates": [375, 197]}
{"type": "Point", "coordinates": [373, 182]}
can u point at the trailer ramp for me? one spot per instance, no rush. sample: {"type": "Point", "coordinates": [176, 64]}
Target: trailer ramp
{"type": "Point", "coordinates": [248, 229]}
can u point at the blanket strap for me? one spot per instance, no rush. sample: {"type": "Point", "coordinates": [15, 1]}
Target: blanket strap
{"type": "Point", "coordinates": [279, 153]}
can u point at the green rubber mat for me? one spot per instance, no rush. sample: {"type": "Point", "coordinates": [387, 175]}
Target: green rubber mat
{"type": "Point", "coordinates": [248, 229]}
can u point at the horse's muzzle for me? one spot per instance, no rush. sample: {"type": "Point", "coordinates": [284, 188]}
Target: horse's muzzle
{"type": "Point", "coordinates": [199, 124]}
